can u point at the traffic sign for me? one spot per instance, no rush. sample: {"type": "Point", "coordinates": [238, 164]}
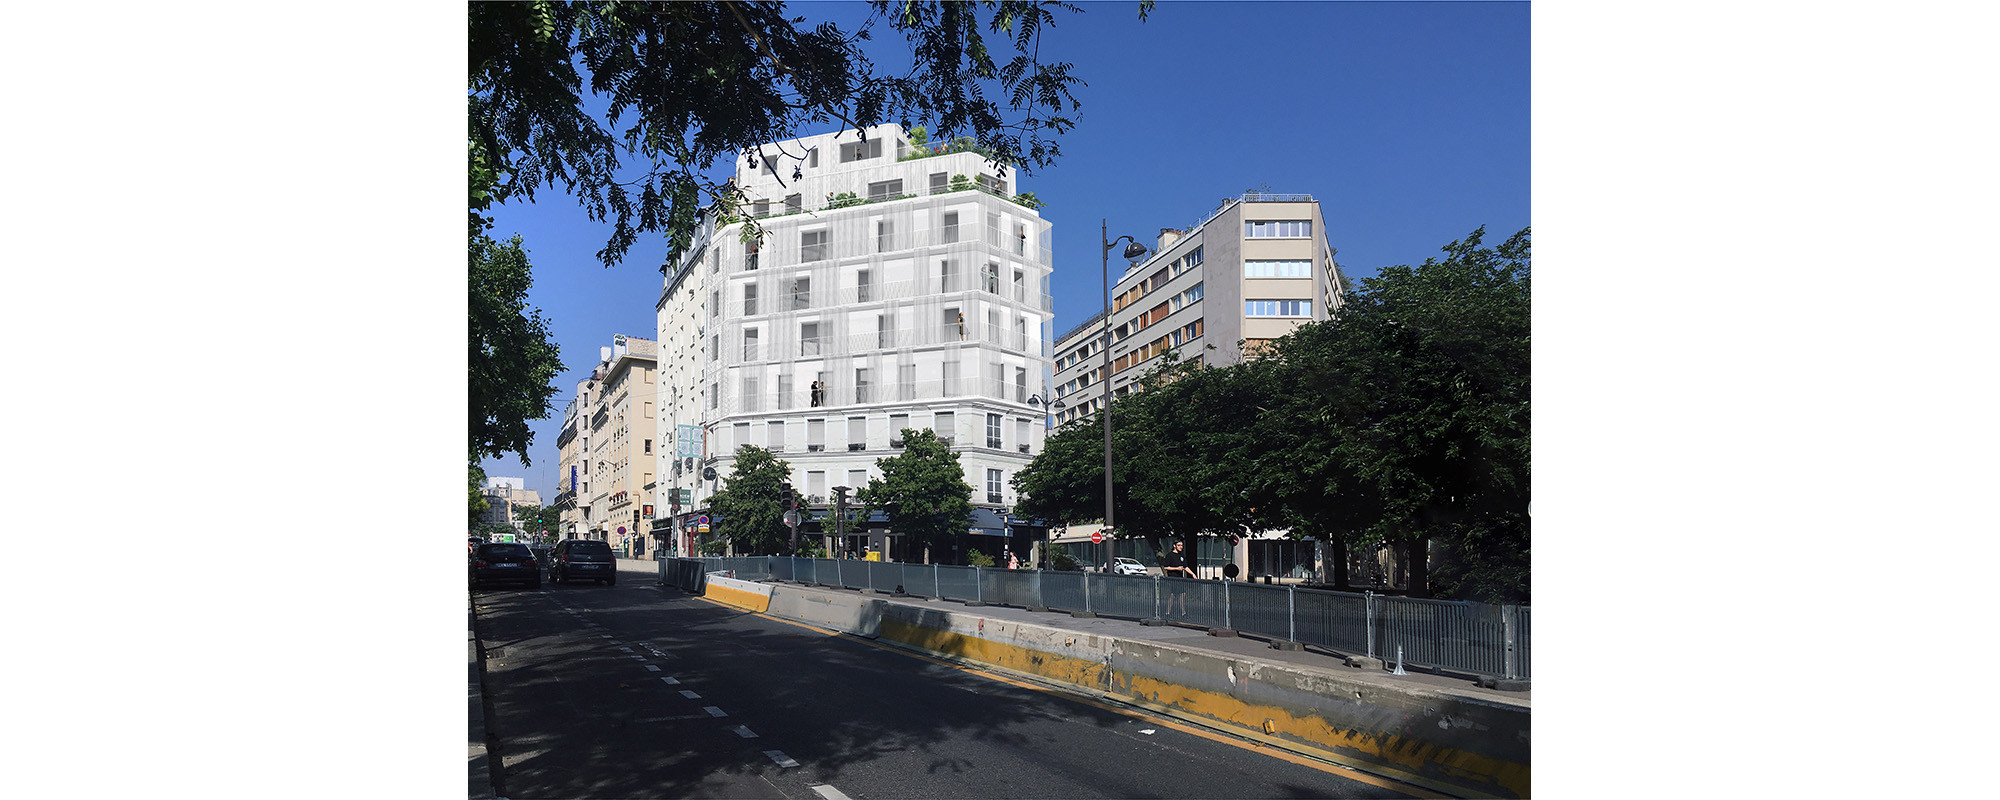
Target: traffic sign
{"type": "Point", "coordinates": [1097, 537]}
{"type": "Point", "coordinates": [792, 519]}
{"type": "Point", "coordinates": [701, 520]}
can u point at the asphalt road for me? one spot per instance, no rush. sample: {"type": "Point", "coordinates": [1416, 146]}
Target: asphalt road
{"type": "Point", "coordinates": [641, 691]}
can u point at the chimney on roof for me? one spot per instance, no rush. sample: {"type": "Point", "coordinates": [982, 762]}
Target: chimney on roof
{"type": "Point", "coordinates": [1167, 237]}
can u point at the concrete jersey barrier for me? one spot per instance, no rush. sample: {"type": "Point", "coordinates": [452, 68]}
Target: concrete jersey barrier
{"type": "Point", "coordinates": [1452, 742]}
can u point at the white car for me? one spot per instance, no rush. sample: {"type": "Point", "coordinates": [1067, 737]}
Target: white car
{"type": "Point", "coordinates": [1126, 566]}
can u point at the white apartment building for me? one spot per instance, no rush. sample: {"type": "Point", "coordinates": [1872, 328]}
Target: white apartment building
{"type": "Point", "coordinates": [891, 288]}
{"type": "Point", "coordinates": [1253, 270]}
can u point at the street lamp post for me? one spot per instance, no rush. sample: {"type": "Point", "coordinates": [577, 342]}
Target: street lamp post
{"type": "Point", "coordinates": [1132, 251]}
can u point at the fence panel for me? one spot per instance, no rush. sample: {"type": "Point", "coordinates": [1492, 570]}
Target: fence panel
{"type": "Point", "coordinates": [1468, 637]}
{"type": "Point", "coordinates": [1521, 646]}
{"type": "Point", "coordinates": [957, 583]}
{"type": "Point", "coordinates": [1192, 600]}
{"type": "Point", "coordinates": [1260, 609]}
{"type": "Point", "coordinates": [1009, 587]}
{"type": "Point", "coordinates": [1128, 596]}
{"type": "Point", "coordinates": [1062, 591]}
{"type": "Point", "coordinates": [1333, 620]}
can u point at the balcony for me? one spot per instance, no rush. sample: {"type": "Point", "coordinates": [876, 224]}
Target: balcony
{"type": "Point", "coordinates": [1024, 448]}
{"type": "Point", "coordinates": [853, 446]}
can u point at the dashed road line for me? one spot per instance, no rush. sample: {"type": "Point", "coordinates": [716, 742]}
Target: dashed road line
{"type": "Point", "coordinates": [672, 681]}
{"type": "Point", "coordinates": [830, 793]}
{"type": "Point", "coordinates": [651, 668]}
{"type": "Point", "coordinates": [690, 694]}
{"type": "Point", "coordinates": [744, 731]}
{"type": "Point", "coordinates": [713, 711]}
{"type": "Point", "coordinates": [783, 761]}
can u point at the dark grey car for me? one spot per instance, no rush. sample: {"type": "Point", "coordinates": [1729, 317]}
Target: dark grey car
{"type": "Point", "coordinates": [583, 559]}
{"type": "Point", "coordinates": [504, 563]}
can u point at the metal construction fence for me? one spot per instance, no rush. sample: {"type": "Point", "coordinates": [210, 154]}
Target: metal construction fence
{"type": "Point", "coordinates": [1476, 638]}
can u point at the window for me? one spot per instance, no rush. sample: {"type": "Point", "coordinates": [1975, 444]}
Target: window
{"type": "Point", "coordinates": [993, 486]}
{"type": "Point", "coordinates": [742, 434]}
{"type": "Point", "coordinates": [812, 245]}
{"type": "Point", "coordinates": [1193, 258]}
{"type": "Point", "coordinates": [715, 302]}
{"type": "Point", "coordinates": [750, 255]}
{"type": "Point", "coordinates": [1277, 308]}
{"type": "Point", "coordinates": [775, 435]}
{"type": "Point", "coordinates": [857, 151]}
{"type": "Point", "coordinates": [1277, 269]}
{"type": "Point", "coordinates": [906, 382]}
{"type": "Point", "coordinates": [857, 433]}
{"type": "Point", "coordinates": [946, 426]}
{"type": "Point", "coordinates": [862, 286]}
{"type": "Point", "coordinates": [794, 203]}
{"type": "Point", "coordinates": [1020, 287]}
{"type": "Point", "coordinates": [750, 396]}
{"type": "Point", "coordinates": [939, 181]}
{"type": "Point", "coordinates": [990, 276]}
{"type": "Point", "coordinates": [1020, 384]}
{"type": "Point", "coordinates": [749, 344]}
{"type": "Point", "coordinates": [808, 338]}
{"type": "Point", "coordinates": [885, 235]}
{"type": "Point", "coordinates": [785, 392]}
{"type": "Point", "coordinates": [993, 431]}
{"type": "Point", "coordinates": [816, 483]}
{"type": "Point", "coordinates": [1020, 240]}
{"type": "Point", "coordinates": [749, 299]}
{"type": "Point", "coordinates": [857, 478]}
{"type": "Point", "coordinates": [885, 190]}
{"type": "Point", "coordinates": [801, 292]}
{"type": "Point", "coordinates": [885, 330]}
{"type": "Point", "coordinates": [954, 324]}
{"type": "Point", "coordinates": [1277, 229]}
{"type": "Point", "coordinates": [861, 386]}
{"type": "Point", "coordinates": [1021, 434]}
{"type": "Point", "coordinates": [950, 228]}
{"type": "Point", "coordinates": [649, 445]}
{"type": "Point", "coordinates": [897, 423]}
{"type": "Point", "coordinates": [815, 434]}
{"type": "Point", "coordinates": [950, 378]}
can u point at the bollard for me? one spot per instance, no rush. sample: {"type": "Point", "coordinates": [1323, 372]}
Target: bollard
{"type": "Point", "coordinates": [1292, 613]}
{"type": "Point", "coordinates": [1399, 662]}
{"type": "Point", "coordinates": [1368, 613]}
{"type": "Point", "coordinates": [937, 583]}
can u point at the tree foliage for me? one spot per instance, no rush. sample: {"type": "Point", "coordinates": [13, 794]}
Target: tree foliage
{"type": "Point", "coordinates": [1404, 420]}
{"type": "Point", "coordinates": [511, 364]}
{"type": "Point", "coordinates": [923, 492]}
{"type": "Point", "coordinates": [749, 513]}
{"type": "Point", "coordinates": [534, 519]}
{"type": "Point", "coordinates": [689, 83]}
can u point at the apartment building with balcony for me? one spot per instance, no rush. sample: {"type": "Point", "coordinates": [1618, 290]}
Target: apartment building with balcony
{"type": "Point", "coordinates": [1254, 269]}
{"type": "Point", "coordinates": [893, 286]}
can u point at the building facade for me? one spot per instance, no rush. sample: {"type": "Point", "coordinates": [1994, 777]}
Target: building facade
{"type": "Point", "coordinates": [571, 444]}
{"type": "Point", "coordinates": [893, 287]}
{"type": "Point", "coordinates": [1255, 269]}
{"type": "Point", "coordinates": [623, 456]}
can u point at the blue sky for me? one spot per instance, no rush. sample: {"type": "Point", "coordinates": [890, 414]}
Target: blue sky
{"type": "Point", "coordinates": [1409, 122]}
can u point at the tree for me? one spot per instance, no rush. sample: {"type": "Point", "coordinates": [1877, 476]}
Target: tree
{"type": "Point", "coordinates": [534, 519]}
{"type": "Point", "coordinates": [475, 486]}
{"type": "Point", "coordinates": [749, 512]}
{"type": "Point", "coordinates": [512, 365]}
{"type": "Point", "coordinates": [1410, 412]}
{"type": "Point", "coordinates": [923, 491]}
{"type": "Point", "coordinates": [688, 83]}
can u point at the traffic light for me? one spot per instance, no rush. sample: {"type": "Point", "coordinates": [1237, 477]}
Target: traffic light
{"type": "Point", "coordinates": [786, 496]}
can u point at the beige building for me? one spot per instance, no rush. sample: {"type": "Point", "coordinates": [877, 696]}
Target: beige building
{"type": "Point", "coordinates": [622, 455]}
{"type": "Point", "coordinates": [1255, 269]}
{"type": "Point", "coordinates": [502, 495]}
{"type": "Point", "coordinates": [572, 443]}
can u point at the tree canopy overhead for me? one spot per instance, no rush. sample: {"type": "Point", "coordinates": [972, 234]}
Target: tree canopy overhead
{"type": "Point", "coordinates": [688, 83]}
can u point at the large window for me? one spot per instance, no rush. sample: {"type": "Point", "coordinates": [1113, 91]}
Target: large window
{"type": "Point", "coordinates": [809, 339]}
{"type": "Point", "coordinates": [993, 486]}
{"type": "Point", "coordinates": [749, 344]}
{"type": "Point", "coordinates": [749, 299]}
{"type": "Point", "coordinates": [950, 227]}
{"type": "Point", "coordinates": [1277, 269]}
{"type": "Point", "coordinates": [856, 151]}
{"type": "Point", "coordinates": [885, 190]}
{"type": "Point", "coordinates": [1277, 308]}
{"type": "Point", "coordinates": [812, 245]}
{"type": "Point", "coordinates": [1277, 229]}
{"type": "Point", "coordinates": [802, 292]}
{"type": "Point", "coordinates": [993, 431]}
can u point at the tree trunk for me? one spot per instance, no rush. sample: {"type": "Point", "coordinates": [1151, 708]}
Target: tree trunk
{"type": "Point", "coordinates": [1340, 577]}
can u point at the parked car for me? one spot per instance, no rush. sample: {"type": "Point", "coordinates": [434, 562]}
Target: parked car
{"type": "Point", "coordinates": [1127, 566]}
{"type": "Point", "coordinates": [501, 562]}
{"type": "Point", "coordinates": [583, 559]}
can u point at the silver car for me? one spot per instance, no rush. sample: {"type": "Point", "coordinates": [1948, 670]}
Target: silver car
{"type": "Point", "coordinates": [1127, 566]}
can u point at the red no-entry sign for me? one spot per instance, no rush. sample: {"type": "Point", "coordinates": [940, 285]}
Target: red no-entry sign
{"type": "Point", "coordinates": [1097, 537]}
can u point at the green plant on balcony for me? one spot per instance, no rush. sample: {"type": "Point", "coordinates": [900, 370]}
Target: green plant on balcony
{"type": "Point", "coordinates": [1029, 199]}
{"type": "Point", "coordinates": [919, 137]}
{"type": "Point", "coordinates": [843, 200]}
{"type": "Point", "coordinates": [960, 182]}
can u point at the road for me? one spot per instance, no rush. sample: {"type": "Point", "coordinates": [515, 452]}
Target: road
{"type": "Point", "coordinates": [641, 691]}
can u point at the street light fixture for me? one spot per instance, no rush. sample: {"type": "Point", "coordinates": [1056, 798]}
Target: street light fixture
{"type": "Point", "coordinates": [1133, 251]}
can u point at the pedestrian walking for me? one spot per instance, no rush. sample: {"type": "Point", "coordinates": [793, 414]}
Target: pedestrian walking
{"type": "Point", "coordinates": [1013, 561]}
{"type": "Point", "coordinates": [1177, 564]}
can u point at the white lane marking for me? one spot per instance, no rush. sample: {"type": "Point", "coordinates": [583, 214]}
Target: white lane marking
{"type": "Point", "coordinates": [637, 656]}
{"type": "Point", "coordinates": [830, 793]}
{"type": "Point", "coordinates": [671, 681]}
{"type": "Point", "coordinates": [690, 694]}
{"type": "Point", "coordinates": [713, 711]}
{"type": "Point", "coordinates": [744, 731]}
{"type": "Point", "coordinates": [783, 761]}
{"type": "Point", "coordinates": [1149, 731]}
{"type": "Point", "coordinates": [651, 668]}
{"type": "Point", "coordinates": [604, 636]}
{"type": "Point", "coordinates": [681, 718]}
{"type": "Point", "coordinates": [626, 649]}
